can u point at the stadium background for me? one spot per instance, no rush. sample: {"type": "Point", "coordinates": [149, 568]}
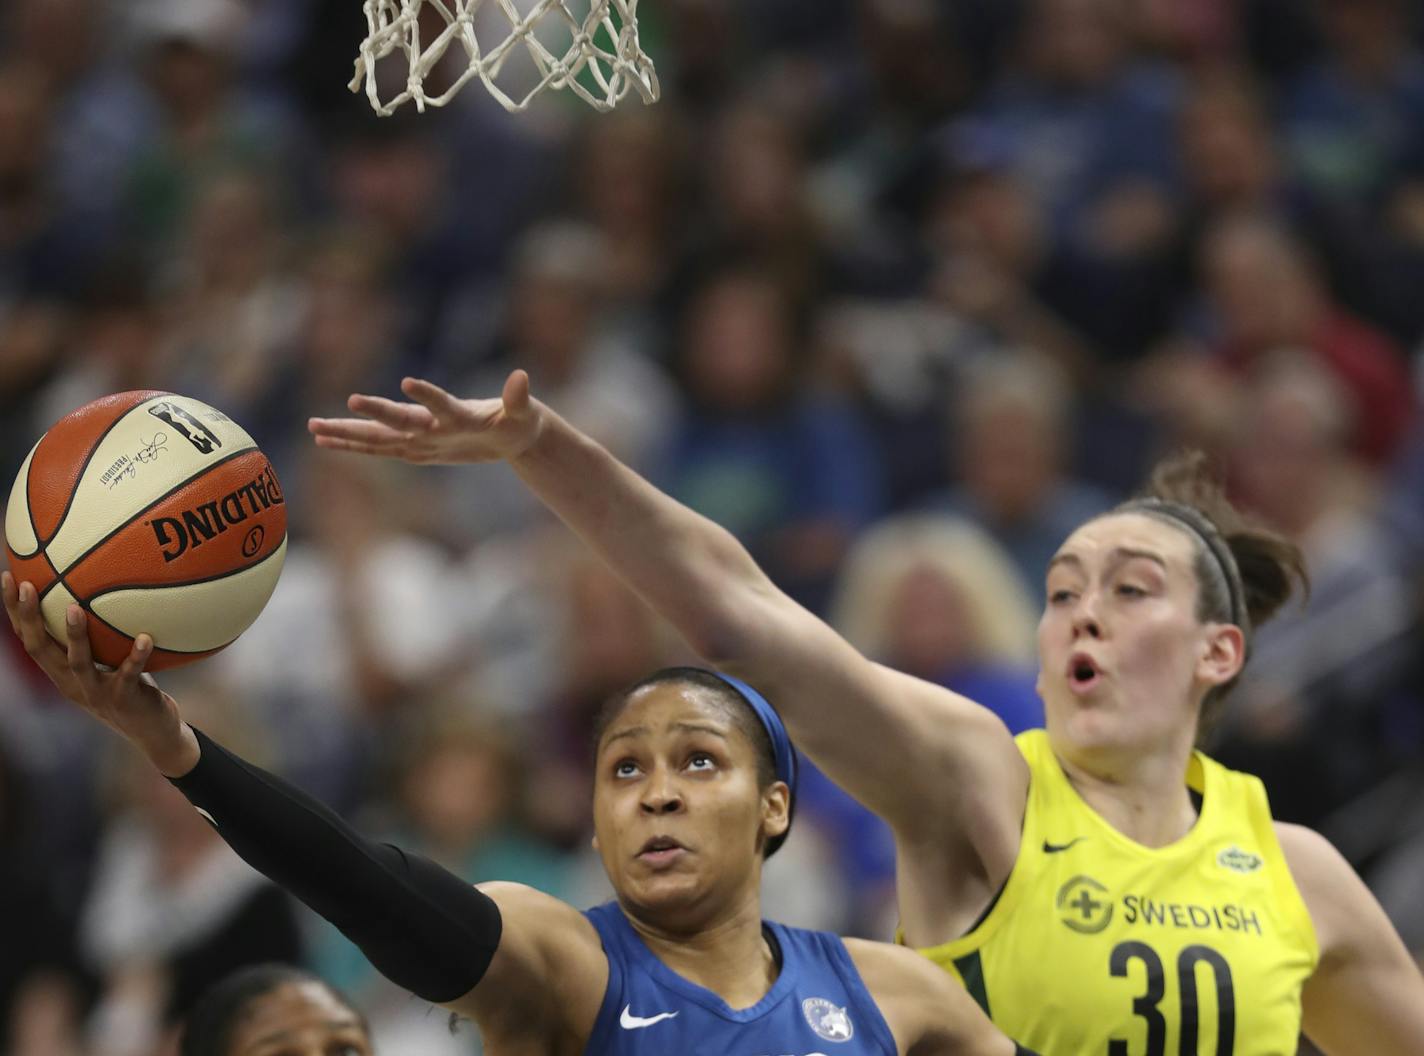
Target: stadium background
{"type": "Point", "coordinates": [899, 290]}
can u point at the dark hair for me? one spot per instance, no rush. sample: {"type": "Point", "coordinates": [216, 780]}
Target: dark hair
{"type": "Point", "coordinates": [737, 709]}
{"type": "Point", "coordinates": [1245, 571]}
{"type": "Point", "coordinates": [211, 1024]}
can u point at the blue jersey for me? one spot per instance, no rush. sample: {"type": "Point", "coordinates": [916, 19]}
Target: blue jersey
{"type": "Point", "coordinates": [818, 1005]}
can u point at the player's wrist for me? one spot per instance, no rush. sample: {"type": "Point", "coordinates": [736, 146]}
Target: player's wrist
{"type": "Point", "coordinates": [175, 752]}
{"type": "Point", "coordinates": [541, 426]}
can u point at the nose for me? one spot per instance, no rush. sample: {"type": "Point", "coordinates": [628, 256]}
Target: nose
{"type": "Point", "coordinates": [1085, 617]}
{"type": "Point", "coordinates": [661, 794]}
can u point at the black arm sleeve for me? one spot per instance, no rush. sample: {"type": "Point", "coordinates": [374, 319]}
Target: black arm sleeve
{"type": "Point", "coordinates": [422, 927]}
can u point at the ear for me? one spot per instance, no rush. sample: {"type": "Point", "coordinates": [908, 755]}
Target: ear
{"type": "Point", "coordinates": [1223, 655]}
{"type": "Point", "coordinates": [776, 809]}
{"type": "Point", "coordinates": [593, 842]}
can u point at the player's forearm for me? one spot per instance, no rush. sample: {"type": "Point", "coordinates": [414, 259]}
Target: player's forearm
{"type": "Point", "coordinates": [422, 927]}
{"type": "Point", "coordinates": [692, 571]}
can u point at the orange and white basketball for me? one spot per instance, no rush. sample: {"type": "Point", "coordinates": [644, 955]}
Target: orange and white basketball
{"type": "Point", "coordinates": [157, 514]}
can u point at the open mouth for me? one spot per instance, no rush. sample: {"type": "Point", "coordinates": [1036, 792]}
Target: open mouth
{"type": "Point", "coordinates": [1083, 673]}
{"type": "Point", "coordinates": [660, 850]}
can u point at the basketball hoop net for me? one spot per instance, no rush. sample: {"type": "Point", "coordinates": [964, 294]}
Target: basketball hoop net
{"type": "Point", "coordinates": [600, 64]}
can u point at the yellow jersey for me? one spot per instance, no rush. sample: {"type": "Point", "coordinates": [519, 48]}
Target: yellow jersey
{"type": "Point", "coordinates": [1100, 946]}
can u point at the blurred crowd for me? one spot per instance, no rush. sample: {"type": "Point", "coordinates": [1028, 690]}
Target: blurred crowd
{"type": "Point", "coordinates": [897, 290]}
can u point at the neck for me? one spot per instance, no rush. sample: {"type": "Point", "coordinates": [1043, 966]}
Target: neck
{"type": "Point", "coordinates": [1145, 797]}
{"type": "Point", "coordinates": [729, 956]}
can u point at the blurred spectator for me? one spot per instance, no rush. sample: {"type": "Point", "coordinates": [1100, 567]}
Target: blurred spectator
{"type": "Point", "coordinates": [550, 321]}
{"type": "Point", "coordinates": [34, 344]}
{"type": "Point", "coordinates": [1309, 715]}
{"type": "Point", "coordinates": [201, 120]}
{"type": "Point", "coordinates": [627, 177]}
{"type": "Point", "coordinates": [606, 639]}
{"type": "Point", "coordinates": [114, 345]}
{"type": "Point", "coordinates": [995, 267]}
{"type": "Point", "coordinates": [172, 909]}
{"type": "Point", "coordinates": [1089, 128]}
{"type": "Point", "coordinates": [933, 596]}
{"type": "Point", "coordinates": [233, 307]}
{"type": "Point", "coordinates": [457, 788]}
{"type": "Point", "coordinates": [790, 472]}
{"type": "Point", "coordinates": [936, 597]}
{"type": "Point", "coordinates": [1009, 461]}
{"type": "Point", "coordinates": [1354, 121]}
{"type": "Point", "coordinates": [322, 666]}
{"type": "Point", "coordinates": [1266, 296]}
{"type": "Point", "coordinates": [42, 990]}
{"type": "Point", "coordinates": [756, 190]}
{"type": "Point", "coordinates": [45, 249]}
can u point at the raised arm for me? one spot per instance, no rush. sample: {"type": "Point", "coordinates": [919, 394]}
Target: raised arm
{"type": "Point", "coordinates": [1367, 993]}
{"type": "Point", "coordinates": [481, 952]}
{"type": "Point", "coordinates": [940, 769]}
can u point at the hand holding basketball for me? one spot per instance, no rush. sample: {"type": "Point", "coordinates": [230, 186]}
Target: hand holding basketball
{"type": "Point", "coordinates": [438, 428]}
{"type": "Point", "coordinates": [126, 699]}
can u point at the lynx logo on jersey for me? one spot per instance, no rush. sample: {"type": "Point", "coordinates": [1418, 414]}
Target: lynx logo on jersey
{"type": "Point", "coordinates": [1240, 861]}
{"type": "Point", "coordinates": [828, 1020]}
{"type": "Point", "coordinates": [1084, 905]}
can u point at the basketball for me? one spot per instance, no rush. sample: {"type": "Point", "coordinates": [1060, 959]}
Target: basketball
{"type": "Point", "coordinates": [157, 514]}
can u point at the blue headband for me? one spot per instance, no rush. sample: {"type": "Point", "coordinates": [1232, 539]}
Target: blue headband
{"type": "Point", "coordinates": [782, 753]}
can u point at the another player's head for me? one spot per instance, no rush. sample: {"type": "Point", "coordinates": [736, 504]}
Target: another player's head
{"type": "Point", "coordinates": [274, 1008]}
{"type": "Point", "coordinates": [1150, 613]}
{"type": "Point", "coordinates": [694, 783]}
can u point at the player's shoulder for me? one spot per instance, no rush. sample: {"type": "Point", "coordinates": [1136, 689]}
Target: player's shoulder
{"type": "Point", "coordinates": [1308, 853]}
{"type": "Point", "coordinates": [1331, 889]}
{"type": "Point", "coordinates": [886, 969]}
{"type": "Point", "coordinates": [921, 1002]}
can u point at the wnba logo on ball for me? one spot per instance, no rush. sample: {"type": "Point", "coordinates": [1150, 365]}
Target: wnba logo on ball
{"type": "Point", "coordinates": [194, 527]}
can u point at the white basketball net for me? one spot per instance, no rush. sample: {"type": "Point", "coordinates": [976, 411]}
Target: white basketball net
{"type": "Point", "coordinates": [604, 47]}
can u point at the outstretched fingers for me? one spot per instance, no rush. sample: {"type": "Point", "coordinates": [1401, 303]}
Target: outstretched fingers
{"type": "Point", "coordinates": [336, 443]}
{"type": "Point", "coordinates": [436, 401]}
{"type": "Point", "coordinates": [357, 430]}
{"type": "Point", "coordinates": [399, 415]}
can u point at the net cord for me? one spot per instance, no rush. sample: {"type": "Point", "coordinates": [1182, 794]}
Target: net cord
{"type": "Point", "coordinates": [393, 25]}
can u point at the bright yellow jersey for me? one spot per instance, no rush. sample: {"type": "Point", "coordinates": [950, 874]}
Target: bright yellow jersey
{"type": "Point", "coordinates": [1099, 946]}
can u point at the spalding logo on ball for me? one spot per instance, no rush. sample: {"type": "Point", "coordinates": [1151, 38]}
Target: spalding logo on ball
{"type": "Point", "coordinates": [157, 514]}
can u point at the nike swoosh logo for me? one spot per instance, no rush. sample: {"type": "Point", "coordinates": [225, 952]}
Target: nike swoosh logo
{"type": "Point", "coordinates": [1054, 848]}
{"type": "Point", "coordinates": [632, 1022]}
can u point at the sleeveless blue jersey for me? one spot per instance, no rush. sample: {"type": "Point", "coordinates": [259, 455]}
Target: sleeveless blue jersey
{"type": "Point", "coordinates": [818, 1005]}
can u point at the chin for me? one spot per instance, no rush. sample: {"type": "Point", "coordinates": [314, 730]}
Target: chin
{"type": "Point", "coordinates": [660, 896]}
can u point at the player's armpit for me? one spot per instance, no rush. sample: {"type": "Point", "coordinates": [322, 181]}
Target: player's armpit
{"type": "Point", "coordinates": [1366, 992]}
{"type": "Point", "coordinates": [549, 972]}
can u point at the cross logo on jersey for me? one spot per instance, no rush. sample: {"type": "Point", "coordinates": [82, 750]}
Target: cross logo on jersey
{"type": "Point", "coordinates": [1084, 905]}
{"type": "Point", "coordinates": [827, 1019]}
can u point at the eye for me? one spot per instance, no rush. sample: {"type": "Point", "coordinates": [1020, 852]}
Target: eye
{"type": "Point", "coordinates": [625, 768]}
{"type": "Point", "coordinates": [701, 761]}
{"type": "Point", "coordinates": [1058, 597]}
{"type": "Point", "coordinates": [1129, 590]}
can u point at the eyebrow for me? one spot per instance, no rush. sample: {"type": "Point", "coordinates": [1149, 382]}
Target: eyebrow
{"type": "Point", "coordinates": [685, 727]}
{"type": "Point", "coordinates": [1117, 555]}
{"type": "Point", "coordinates": [284, 1035]}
